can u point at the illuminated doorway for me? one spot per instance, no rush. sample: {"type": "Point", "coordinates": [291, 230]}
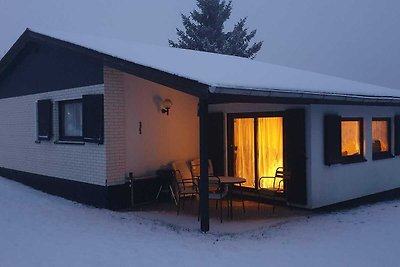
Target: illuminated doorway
{"type": "Point", "coordinates": [257, 147]}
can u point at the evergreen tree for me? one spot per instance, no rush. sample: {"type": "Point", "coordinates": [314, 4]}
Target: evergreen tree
{"type": "Point", "coordinates": [204, 31]}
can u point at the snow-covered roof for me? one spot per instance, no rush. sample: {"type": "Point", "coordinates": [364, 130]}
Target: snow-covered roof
{"type": "Point", "coordinates": [230, 74]}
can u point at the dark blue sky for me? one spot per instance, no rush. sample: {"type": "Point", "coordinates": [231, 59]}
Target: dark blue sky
{"type": "Point", "coordinates": [355, 39]}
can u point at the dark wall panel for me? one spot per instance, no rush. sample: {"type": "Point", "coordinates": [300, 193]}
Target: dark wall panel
{"type": "Point", "coordinates": [216, 144]}
{"type": "Point", "coordinates": [43, 68]}
{"type": "Point", "coordinates": [295, 155]}
{"type": "Point", "coordinates": [110, 197]}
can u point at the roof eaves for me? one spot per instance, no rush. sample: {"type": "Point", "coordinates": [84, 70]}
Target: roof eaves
{"type": "Point", "coordinates": [282, 93]}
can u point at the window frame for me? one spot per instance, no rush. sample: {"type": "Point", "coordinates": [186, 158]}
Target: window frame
{"type": "Point", "coordinates": [385, 154]}
{"type": "Point", "coordinates": [354, 158]}
{"type": "Point", "coordinates": [61, 122]}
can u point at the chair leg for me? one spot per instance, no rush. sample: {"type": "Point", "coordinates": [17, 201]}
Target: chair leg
{"type": "Point", "coordinates": [173, 195]}
{"type": "Point", "coordinates": [241, 195]}
{"type": "Point", "coordinates": [216, 204]}
{"type": "Point", "coordinates": [220, 212]}
{"type": "Point", "coordinates": [159, 191]}
{"type": "Point", "coordinates": [178, 206]}
{"type": "Point", "coordinates": [273, 204]}
{"type": "Point", "coordinates": [230, 205]}
{"type": "Point", "coordinates": [228, 214]}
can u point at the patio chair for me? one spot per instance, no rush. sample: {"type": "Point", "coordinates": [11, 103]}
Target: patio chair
{"type": "Point", "coordinates": [184, 183]}
{"type": "Point", "coordinates": [278, 188]}
{"type": "Point", "coordinates": [216, 190]}
{"type": "Point", "coordinates": [195, 168]}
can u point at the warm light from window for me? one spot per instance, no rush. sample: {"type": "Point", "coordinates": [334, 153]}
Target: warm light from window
{"type": "Point", "coordinates": [380, 142]}
{"type": "Point", "coordinates": [244, 150]}
{"type": "Point", "coordinates": [270, 149]}
{"type": "Point", "coordinates": [351, 138]}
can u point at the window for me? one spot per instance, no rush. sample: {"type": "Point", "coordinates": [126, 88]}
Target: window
{"type": "Point", "coordinates": [351, 137]}
{"type": "Point", "coordinates": [381, 138]}
{"type": "Point", "coordinates": [70, 116]}
{"type": "Point", "coordinates": [343, 140]}
{"type": "Point", "coordinates": [82, 120]}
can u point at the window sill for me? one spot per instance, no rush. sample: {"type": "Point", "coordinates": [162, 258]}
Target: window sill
{"type": "Point", "coordinates": [379, 156]}
{"type": "Point", "coordinates": [40, 139]}
{"type": "Point", "coordinates": [79, 143]}
{"type": "Point", "coordinates": [353, 159]}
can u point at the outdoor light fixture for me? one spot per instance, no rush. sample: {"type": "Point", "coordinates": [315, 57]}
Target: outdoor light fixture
{"type": "Point", "coordinates": [166, 106]}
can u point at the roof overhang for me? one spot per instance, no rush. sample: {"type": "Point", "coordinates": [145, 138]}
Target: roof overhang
{"type": "Point", "coordinates": [225, 95]}
{"type": "Point", "coordinates": [215, 94]}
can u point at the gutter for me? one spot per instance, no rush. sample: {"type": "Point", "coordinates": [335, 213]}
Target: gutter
{"type": "Point", "coordinates": [282, 93]}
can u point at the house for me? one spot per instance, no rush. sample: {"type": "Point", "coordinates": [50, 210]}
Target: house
{"type": "Point", "coordinates": [77, 114]}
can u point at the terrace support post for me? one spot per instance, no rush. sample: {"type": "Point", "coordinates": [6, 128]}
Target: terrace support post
{"type": "Point", "coordinates": [204, 208]}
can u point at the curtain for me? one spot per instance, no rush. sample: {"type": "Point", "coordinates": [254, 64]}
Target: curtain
{"type": "Point", "coordinates": [380, 135]}
{"type": "Point", "coordinates": [350, 138]}
{"type": "Point", "coordinates": [73, 119]}
{"type": "Point", "coordinates": [244, 150]}
{"type": "Point", "coordinates": [270, 148]}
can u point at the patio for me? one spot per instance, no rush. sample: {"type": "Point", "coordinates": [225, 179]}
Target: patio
{"type": "Point", "coordinates": [165, 213]}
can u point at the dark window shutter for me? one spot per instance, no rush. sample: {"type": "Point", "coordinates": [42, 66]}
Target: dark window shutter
{"type": "Point", "coordinates": [93, 118]}
{"type": "Point", "coordinates": [44, 119]}
{"type": "Point", "coordinates": [397, 135]}
{"type": "Point", "coordinates": [216, 142]}
{"type": "Point", "coordinates": [332, 139]}
{"type": "Point", "coordinates": [294, 150]}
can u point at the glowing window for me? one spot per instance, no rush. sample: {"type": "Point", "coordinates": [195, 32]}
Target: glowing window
{"type": "Point", "coordinates": [381, 135]}
{"type": "Point", "coordinates": [351, 137]}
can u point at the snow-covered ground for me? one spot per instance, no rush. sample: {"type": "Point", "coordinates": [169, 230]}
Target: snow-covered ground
{"type": "Point", "coordinates": [37, 229]}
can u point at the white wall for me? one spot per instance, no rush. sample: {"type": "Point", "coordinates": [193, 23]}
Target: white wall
{"type": "Point", "coordinates": [348, 181]}
{"type": "Point", "coordinates": [19, 151]}
{"type": "Point", "coordinates": [163, 139]}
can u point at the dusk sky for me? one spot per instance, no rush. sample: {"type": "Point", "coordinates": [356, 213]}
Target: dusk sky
{"type": "Point", "coordinates": [355, 39]}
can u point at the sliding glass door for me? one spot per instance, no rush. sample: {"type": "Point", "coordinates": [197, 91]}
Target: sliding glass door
{"type": "Point", "coordinates": [257, 148]}
{"type": "Point", "coordinates": [244, 150]}
{"type": "Point", "coordinates": [269, 148]}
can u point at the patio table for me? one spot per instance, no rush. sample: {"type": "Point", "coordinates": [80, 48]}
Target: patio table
{"type": "Point", "coordinates": [229, 181]}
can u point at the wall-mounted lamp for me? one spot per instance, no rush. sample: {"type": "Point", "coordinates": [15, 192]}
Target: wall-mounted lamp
{"type": "Point", "coordinates": [166, 106]}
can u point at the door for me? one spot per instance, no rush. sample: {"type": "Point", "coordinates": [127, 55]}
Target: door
{"type": "Point", "coordinates": [256, 147]}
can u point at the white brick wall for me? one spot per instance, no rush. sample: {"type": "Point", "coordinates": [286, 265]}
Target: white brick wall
{"type": "Point", "coordinates": [114, 125]}
{"type": "Point", "coordinates": [19, 151]}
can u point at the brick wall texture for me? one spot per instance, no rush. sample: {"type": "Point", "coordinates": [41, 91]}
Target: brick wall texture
{"type": "Point", "coordinates": [18, 150]}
